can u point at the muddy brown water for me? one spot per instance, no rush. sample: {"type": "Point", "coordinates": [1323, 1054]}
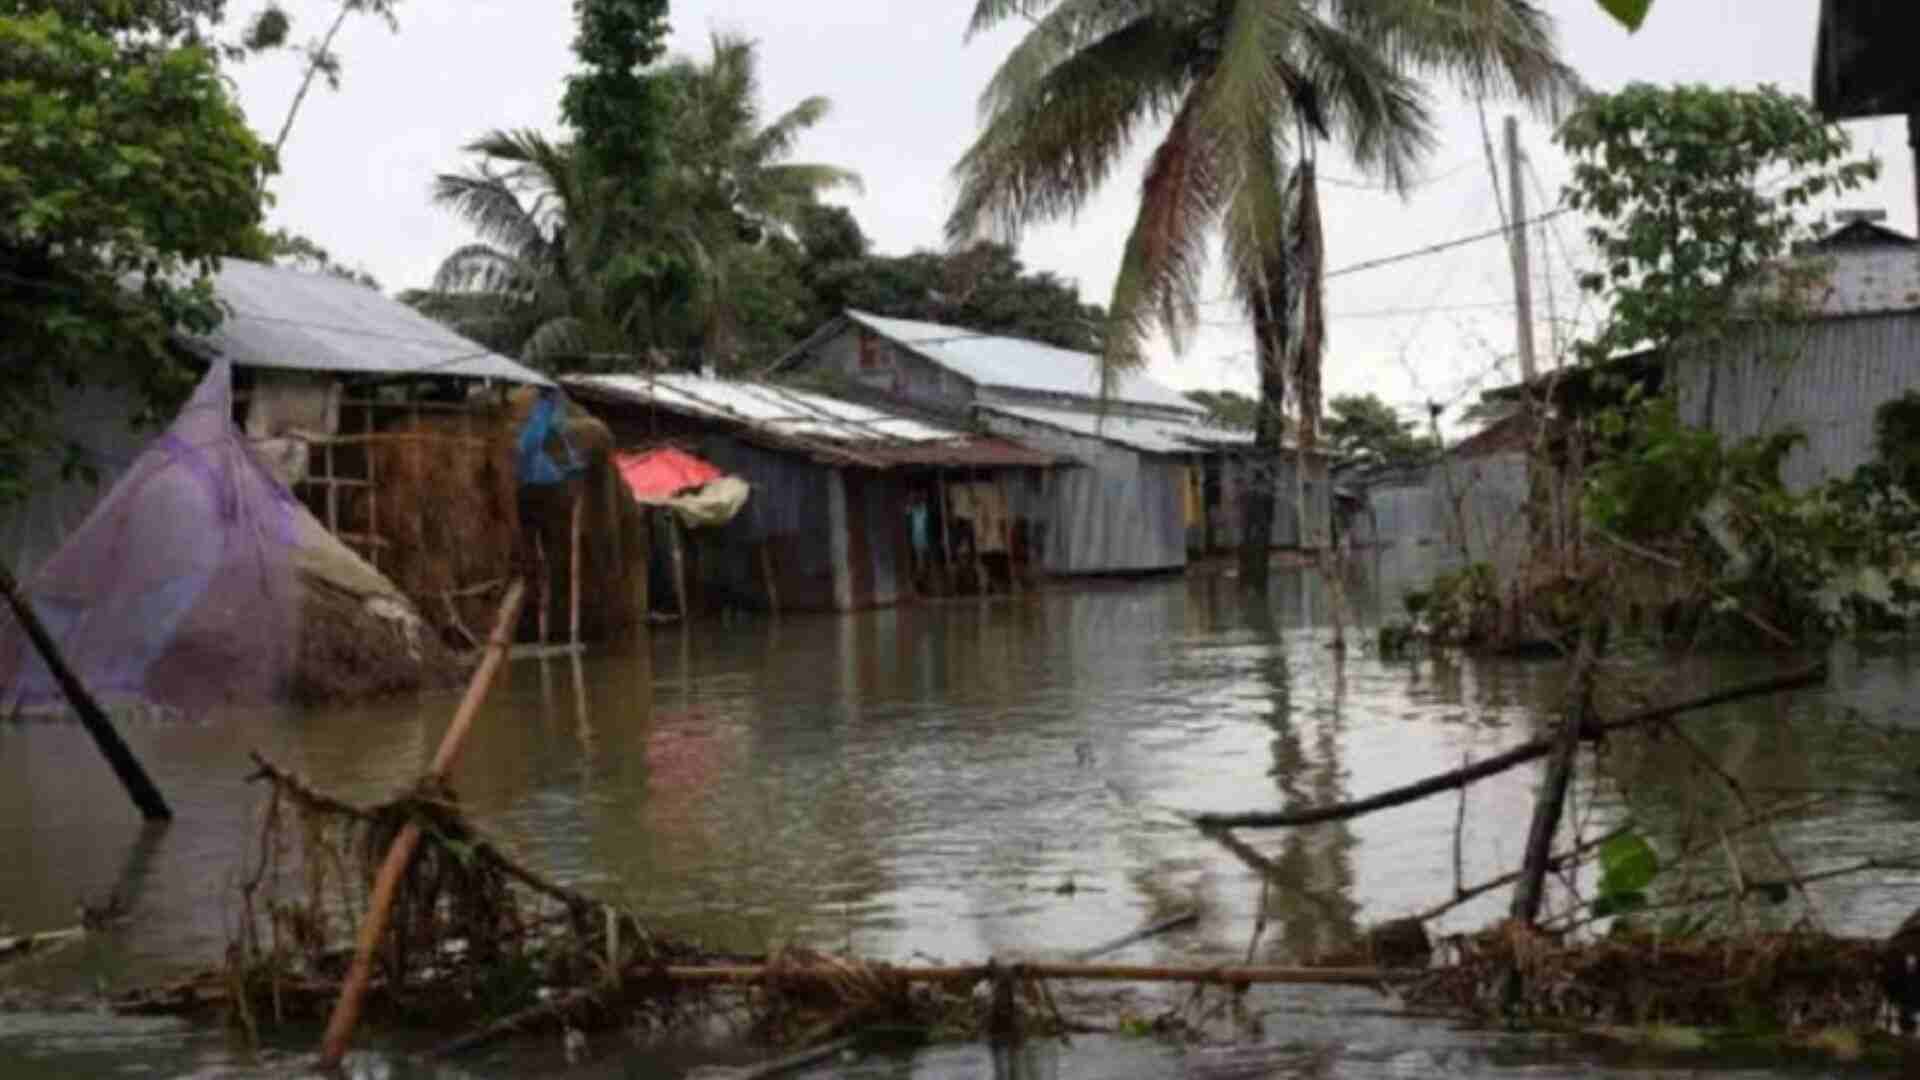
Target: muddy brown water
{"type": "Point", "coordinates": [951, 781]}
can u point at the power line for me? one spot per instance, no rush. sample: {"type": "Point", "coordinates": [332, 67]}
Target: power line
{"type": "Point", "coordinates": [1435, 249]}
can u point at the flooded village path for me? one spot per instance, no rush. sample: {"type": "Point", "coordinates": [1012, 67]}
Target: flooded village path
{"type": "Point", "coordinates": [951, 781]}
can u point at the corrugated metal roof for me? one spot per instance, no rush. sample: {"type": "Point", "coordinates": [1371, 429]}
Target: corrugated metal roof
{"type": "Point", "coordinates": [280, 318]}
{"type": "Point", "coordinates": [1016, 363]}
{"type": "Point", "coordinates": [811, 421]}
{"type": "Point", "coordinates": [1153, 436]}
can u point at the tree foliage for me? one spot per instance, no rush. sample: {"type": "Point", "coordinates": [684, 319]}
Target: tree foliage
{"type": "Point", "coordinates": [1692, 192]}
{"type": "Point", "coordinates": [1696, 197]}
{"type": "Point", "coordinates": [126, 170]}
{"type": "Point", "coordinates": [983, 287]}
{"type": "Point", "coordinates": [613, 103]}
{"type": "Point", "coordinates": [1361, 427]}
{"type": "Point", "coordinates": [581, 264]}
{"type": "Point", "coordinates": [1227, 408]}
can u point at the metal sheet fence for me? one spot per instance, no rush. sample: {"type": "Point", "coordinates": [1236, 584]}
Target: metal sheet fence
{"type": "Point", "coordinates": [1825, 379]}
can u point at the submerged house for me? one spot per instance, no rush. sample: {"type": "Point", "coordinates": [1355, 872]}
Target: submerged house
{"type": "Point", "coordinates": [1153, 481]}
{"type": "Point", "coordinates": [396, 434]}
{"type": "Point", "coordinates": [850, 506]}
{"type": "Point", "coordinates": [1470, 506]}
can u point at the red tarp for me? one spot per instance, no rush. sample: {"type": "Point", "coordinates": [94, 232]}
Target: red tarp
{"type": "Point", "coordinates": [658, 475]}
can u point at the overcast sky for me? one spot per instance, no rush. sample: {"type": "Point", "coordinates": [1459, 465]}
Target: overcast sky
{"type": "Point", "coordinates": [360, 160]}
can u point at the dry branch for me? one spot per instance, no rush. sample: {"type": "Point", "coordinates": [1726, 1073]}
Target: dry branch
{"type": "Point", "coordinates": [1502, 762]}
{"type": "Point", "coordinates": [1171, 922]}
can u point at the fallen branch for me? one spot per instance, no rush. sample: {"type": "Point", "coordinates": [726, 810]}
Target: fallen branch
{"type": "Point", "coordinates": [558, 1008]}
{"type": "Point", "coordinates": [748, 974]}
{"type": "Point", "coordinates": [1500, 763]}
{"type": "Point", "coordinates": [1171, 922]}
{"type": "Point", "coordinates": [791, 1062]}
{"type": "Point", "coordinates": [1462, 896]}
{"type": "Point", "coordinates": [12, 948]}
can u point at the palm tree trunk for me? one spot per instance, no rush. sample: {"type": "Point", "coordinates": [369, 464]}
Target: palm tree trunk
{"type": "Point", "coordinates": [1270, 341]}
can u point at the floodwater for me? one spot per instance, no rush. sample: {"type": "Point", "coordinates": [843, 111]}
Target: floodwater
{"type": "Point", "coordinates": [956, 781]}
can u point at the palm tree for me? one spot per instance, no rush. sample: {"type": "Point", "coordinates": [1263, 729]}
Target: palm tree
{"type": "Point", "coordinates": [579, 270]}
{"type": "Point", "coordinates": [730, 183]}
{"type": "Point", "coordinates": [1249, 90]}
{"type": "Point", "coordinates": [549, 278]}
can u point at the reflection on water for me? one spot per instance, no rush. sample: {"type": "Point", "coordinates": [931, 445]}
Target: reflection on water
{"type": "Point", "coordinates": [953, 781]}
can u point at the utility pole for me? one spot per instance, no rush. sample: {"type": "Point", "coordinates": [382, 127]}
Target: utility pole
{"type": "Point", "coordinates": [1522, 282]}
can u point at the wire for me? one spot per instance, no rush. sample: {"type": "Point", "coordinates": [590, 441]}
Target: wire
{"type": "Point", "coordinates": [1435, 249]}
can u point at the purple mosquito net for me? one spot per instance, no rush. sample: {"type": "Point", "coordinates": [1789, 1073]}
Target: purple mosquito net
{"type": "Point", "coordinates": [179, 590]}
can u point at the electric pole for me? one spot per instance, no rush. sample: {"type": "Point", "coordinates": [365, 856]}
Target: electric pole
{"type": "Point", "coordinates": [1522, 280]}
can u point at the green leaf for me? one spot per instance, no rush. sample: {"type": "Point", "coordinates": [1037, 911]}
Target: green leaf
{"type": "Point", "coordinates": [1627, 864]}
{"type": "Point", "coordinates": [1619, 903]}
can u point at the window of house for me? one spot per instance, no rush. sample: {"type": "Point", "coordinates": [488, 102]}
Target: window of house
{"type": "Point", "coordinates": [873, 352]}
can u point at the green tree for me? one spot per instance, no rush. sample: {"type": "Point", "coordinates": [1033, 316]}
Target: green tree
{"type": "Point", "coordinates": [126, 171]}
{"type": "Point", "coordinates": [1362, 427]}
{"type": "Point", "coordinates": [1249, 90]}
{"type": "Point", "coordinates": [1683, 222]}
{"type": "Point", "coordinates": [1694, 196]}
{"type": "Point", "coordinates": [614, 103]}
{"type": "Point", "coordinates": [1227, 408]}
{"type": "Point", "coordinates": [731, 191]}
{"type": "Point", "coordinates": [579, 266]}
{"type": "Point", "coordinates": [983, 287]}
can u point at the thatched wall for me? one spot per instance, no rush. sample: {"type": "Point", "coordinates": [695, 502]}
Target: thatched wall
{"type": "Point", "coordinates": [449, 513]}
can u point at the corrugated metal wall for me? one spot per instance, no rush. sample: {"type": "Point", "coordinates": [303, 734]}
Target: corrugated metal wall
{"type": "Point", "coordinates": [1122, 512]}
{"type": "Point", "coordinates": [787, 512]}
{"type": "Point", "coordinates": [98, 421]}
{"type": "Point", "coordinates": [1826, 379]}
{"type": "Point", "coordinates": [1237, 476]}
{"type": "Point", "coordinates": [835, 537]}
{"type": "Point", "coordinates": [1476, 504]}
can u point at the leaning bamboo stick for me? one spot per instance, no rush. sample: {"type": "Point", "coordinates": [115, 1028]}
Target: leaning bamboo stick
{"type": "Point", "coordinates": [133, 776]}
{"type": "Point", "coordinates": [346, 1011]}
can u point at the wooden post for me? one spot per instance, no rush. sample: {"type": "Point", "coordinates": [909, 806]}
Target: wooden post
{"type": "Point", "coordinates": [946, 528]}
{"type": "Point", "coordinates": [368, 454]}
{"type": "Point", "coordinates": [333, 489]}
{"type": "Point", "coordinates": [546, 587]}
{"type": "Point", "coordinates": [1548, 805]}
{"type": "Point", "coordinates": [353, 992]}
{"type": "Point", "coordinates": [773, 580]}
{"type": "Point", "coordinates": [679, 563]}
{"type": "Point", "coordinates": [133, 777]}
{"type": "Point", "coordinates": [573, 571]}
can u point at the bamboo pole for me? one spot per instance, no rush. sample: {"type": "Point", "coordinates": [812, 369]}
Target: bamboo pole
{"type": "Point", "coordinates": [133, 777]}
{"type": "Point", "coordinates": [353, 992]}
